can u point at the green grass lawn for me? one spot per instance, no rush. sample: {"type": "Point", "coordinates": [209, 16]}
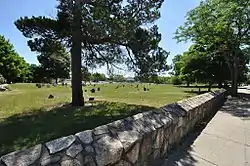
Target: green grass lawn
{"type": "Point", "coordinates": [28, 117]}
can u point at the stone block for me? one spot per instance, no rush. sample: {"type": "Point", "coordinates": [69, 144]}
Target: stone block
{"type": "Point", "coordinates": [60, 144]}
{"type": "Point", "coordinates": [101, 130]}
{"type": "Point", "coordinates": [24, 157]}
{"type": "Point", "coordinates": [123, 163]}
{"type": "Point", "coordinates": [142, 123]}
{"type": "Point", "coordinates": [89, 161]}
{"type": "Point", "coordinates": [72, 162]}
{"type": "Point", "coordinates": [157, 143]}
{"type": "Point", "coordinates": [89, 149]}
{"type": "Point", "coordinates": [74, 150]}
{"type": "Point", "coordinates": [146, 148]}
{"type": "Point", "coordinates": [175, 108]}
{"type": "Point", "coordinates": [49, 160]}
{"type": "Point", "coordinates": [133, 154]}
{"type": "Point", "coordinates": [128, 138]}
{"type": "Point", "coordinates": [85, 136]}
{"type": "Point", "coordinates": [108, 150]}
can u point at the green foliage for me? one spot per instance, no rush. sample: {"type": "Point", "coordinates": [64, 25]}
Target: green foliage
{"type": "Point", "coordinates": [12, 67]}
{"type": "Point", "coordinates": [54, 64]}
{"type": "Point", "coordinates": [2, 79]}
{"type": "Point", "coordinates": [86, 75]}
{"type": "Point", "coordinates": [98, 77]}
{"type": "Point", "coordinates": [176, 80]}
{"type": "Point", "coordinates": [224, 25]}
{"type": "Point", "coordinates": [117, 78]}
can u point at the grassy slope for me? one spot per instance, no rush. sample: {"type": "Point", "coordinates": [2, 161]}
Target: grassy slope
{"type": "Point", "coordinates": [28, 117]}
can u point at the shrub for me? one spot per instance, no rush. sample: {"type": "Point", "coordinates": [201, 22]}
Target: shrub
{"type": "Point", "coordinates": [176, 80]}
{"type": "Point", "coordinates": [2, 79]}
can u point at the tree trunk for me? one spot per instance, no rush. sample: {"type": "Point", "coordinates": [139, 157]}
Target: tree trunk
{"type": "Point", "coordinates": [209, 87]}
{"type": "Point", "coordinates": [220, 84]}
{"type": "Point", "coordinates": [234, 78]}
{"type": "Point", "coordinates": [76, 60]}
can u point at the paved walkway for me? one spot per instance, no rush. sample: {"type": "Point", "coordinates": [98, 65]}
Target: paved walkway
{"type": "Point", "coordinates": [225, 141]}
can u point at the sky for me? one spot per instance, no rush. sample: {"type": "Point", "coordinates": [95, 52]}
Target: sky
{"type": "Point", "coordinates": [173, 14]}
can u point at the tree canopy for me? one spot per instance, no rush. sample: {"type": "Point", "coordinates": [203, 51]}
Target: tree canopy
{"type": "Point", "coordinates": [12, 66]}
{"type": "Point", "coordinates": [224, 26]}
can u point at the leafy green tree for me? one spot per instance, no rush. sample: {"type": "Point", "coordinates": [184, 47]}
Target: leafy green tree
{"type": "Point", "coordinates": [117, 78]}
{"type": "Point", "coordinates": [145, 62]}
{"type": "Point", "coordinates": [96, 31]}
{"type": "Point", "coordinates": [98, 77]}
{"type": "Point", "coordinates": [2, 79]}
{"type": "Point", "coordinates": [222, 22]}
{"type": "Point", "coordinates": [36, 74]}
{"type": "Point", "coordinates": [12, 67]}
{"type": "Point", "coordinates": [176, 80]}
{"type": "Point", "coordinates": [177, 64]}
{"type": "Point", "coordinates": [86, 75]}
{"type": "Point", "coordinates": [55, 64]}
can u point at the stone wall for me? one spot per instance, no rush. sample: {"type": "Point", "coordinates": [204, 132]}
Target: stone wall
{"type": "Point", "coordinates": [140, 140]}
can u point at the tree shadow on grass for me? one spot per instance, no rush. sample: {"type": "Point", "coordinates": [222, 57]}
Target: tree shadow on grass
{"type": "Point", "coordinates": [39, 126]}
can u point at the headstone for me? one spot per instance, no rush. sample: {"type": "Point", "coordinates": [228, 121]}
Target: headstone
{"type": "Point", "coordinates": [2, 89]}
{"type": "Point", "coordinates": [137, 86]}
{"type": "Point", "coordinates": [51, 96]}
{"type": "Point", "coordinates": [148, 89]}
{"type": "Point", "coordinates": [66, 84]}
{"type": "Point", "coordinates": [94, 85]}
{"type": "Point", "coordinates": [85, 90]}
{"type": "Point", "coordinates": [123, 85]}
{"type": "Point", "coordinates": [38, 85]}
{"type": "Point", "coordinates": [54, 84]}
{"type": "Point", "coordinates": [98, 89]}
{"type": "Point", "coordinates": [144, 89]}
{"type": "Point", "coordinates": [91, 99]}
{"type": "Point", "coordinates": [48, 85]}
{"type": "Point", "coordinates": [92, 90]}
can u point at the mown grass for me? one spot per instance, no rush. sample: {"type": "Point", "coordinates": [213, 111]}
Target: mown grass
{"type": "Point", "coordinates": [28, 117]}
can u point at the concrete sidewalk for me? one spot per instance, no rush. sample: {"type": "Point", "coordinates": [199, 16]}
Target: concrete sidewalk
{"type": "Point", "coordinates": [225, 141]}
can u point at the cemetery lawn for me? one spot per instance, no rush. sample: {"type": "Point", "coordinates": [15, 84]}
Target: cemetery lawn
{"type": "Point", "coordinates": [28, 117]}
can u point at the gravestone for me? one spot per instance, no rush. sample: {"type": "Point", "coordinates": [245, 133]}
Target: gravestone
{"type": "Point", "coordinates": [38, 85]}
{"type": "Point", "coordinates": [91, 99]}
{"type": "Point", "coordinates": [92, 90]}
{"type": "Point", "coordinates": [144, 89]}
{"type": "Point", "coordinates": [51, 96]}
{"type": "Point", "coordinates": [48, 85]}
{"type": "Point", "coordinates": [85, 90]}
{"type": "Point", "coordinates": [98, 89]}
{"type": "Point", "coordinates": [2, 89]}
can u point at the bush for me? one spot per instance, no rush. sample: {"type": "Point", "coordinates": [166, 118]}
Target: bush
{"type": "Point", "coordinates": [176, 80]}
{"type": "Point", "coordinates": [2, 79]}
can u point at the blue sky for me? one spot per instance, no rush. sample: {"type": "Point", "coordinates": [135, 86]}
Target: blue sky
{"type": "Point", "coordinates": [172, 16]}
